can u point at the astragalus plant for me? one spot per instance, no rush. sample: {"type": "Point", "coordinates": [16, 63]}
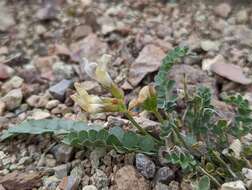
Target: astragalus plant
{"type": "Point", "coordinates": [195, 139]}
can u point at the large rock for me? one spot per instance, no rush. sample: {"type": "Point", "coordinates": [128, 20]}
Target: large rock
{"type": "Point", "coordinates": [128, 178]}
{"type": "Point", "coordinates": [148, 61]}
{"type": "Point", "coordinates": [13, 99]}
{"type": "Point", "coordinates": [62, 153]}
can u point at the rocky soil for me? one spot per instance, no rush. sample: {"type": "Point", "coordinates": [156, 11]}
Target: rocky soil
{"type": "Point", "coordinates": [40, 46]}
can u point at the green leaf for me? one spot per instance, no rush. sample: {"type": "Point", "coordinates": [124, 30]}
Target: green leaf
{"type": "Point", "coordinates": [150, 104]}
{"type": "Point", "coordinates": [162, 84]}
{"type": "Point", "coordinates": [204, 183]}
{"type": "Point", "coordinates": [55, 126]}
{"type": "Point", "coordinates": [130, 140]}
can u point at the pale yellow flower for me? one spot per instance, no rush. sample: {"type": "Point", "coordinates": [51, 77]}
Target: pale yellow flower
{"type": "Point", "coordinates": [95, 104]}
{"type": "Point", "coordinates": [145, 93]}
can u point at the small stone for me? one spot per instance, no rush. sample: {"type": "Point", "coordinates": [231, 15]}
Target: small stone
{"type": "Point", "coordinates": [116, 122]}
{"type": "Point", "coordinates": [69, 183]}
{"type": "Point", "coordinates": [4, 72]}
{"type": "Point", "coordinates": [14, 82]}
{"type": "Point", "coordinates": [100, 179]}
{"type": "Point", "coordinates": [47, 12]}
{"type": "Point", "coordinates": [247, 173]}
{"type": "Point", "coordinates": [50, 183]}
{"type": "Point", "coordinates": [161, 186]}
{"type": "Point", "coordinates": [242, 16]}
{"type": "Point", "coordinates": [223, 10]}
{"type": "Point", "coordinates": [61, 171]}
{"type": "Point", "coordinates": [52, 104]}
{"type": "Point", "coordinates": [38, 114]}
{"type": "Point", "coordinates": [58, 91]}
{"type": "Point", "coordinates": [25, 160]}
{"type": "Point", "coordinates": [243, 35]}
{"type": "Point", "coordinates": [234, 185]}
{"type": "Point", "coordinates": [164, 175]}
{"type": "Point", "coordinates": [236, 148]}
{"type": "Point", "coordinates": [81, 31]}
{"type": "Point", "coordinates": [174, 185]}
{"type": "Point", "coordinates": [50, 162]}
{"type": "Point", "coordinates": [78, 171]}
{"type": "Point", "coordinates": [128, 178]}
{"type": "Point", "coordinates": [145, 166]}
{"type": "Point", "coordinates": [63, 153]}
{"type": "Point", "coordinates": [62, 70]}
{"type": "Point", "coordinates": [2, 107]}
{"type": "Point", "coordinates": [208, 45]}
{"type": "Point", "coordinates": [13, 99]}
{"type": "Point", "coordinates": [36, 101]}
{"type": "Point", "coordinates": [6, 18]}
{"type": "Point", "coordinates": [89, 187]}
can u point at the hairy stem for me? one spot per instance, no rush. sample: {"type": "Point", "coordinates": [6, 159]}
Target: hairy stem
{"type": "Point", "coordinates": [143, 131]}
{"type": "Point", "coordinates": [209, 175]}
{"type": "Point", "coordinates": [158, 116]}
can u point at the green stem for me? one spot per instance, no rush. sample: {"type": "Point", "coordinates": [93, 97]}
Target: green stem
{"type": "Point", "coordinates": [177, 133]}
{"type": "Point", "coordinates": [224, 164]}
{"type": "Point", "coordinates": [143, 131]}
{"type": "Point", "coordinates": [209, 175]}
{"type": "Point", "coordinates": [158, 116]}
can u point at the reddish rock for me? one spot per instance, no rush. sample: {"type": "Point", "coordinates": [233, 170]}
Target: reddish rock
{"type": "Point", "coordinates": [3, 72]}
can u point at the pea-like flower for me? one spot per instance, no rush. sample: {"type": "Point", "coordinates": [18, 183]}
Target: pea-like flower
{"type": "Point", "coordinates": [94, 104]}
{"type": "Point", "coordinates": [145, 93]}
{"type": "Point", "coordinates": [98, 71]}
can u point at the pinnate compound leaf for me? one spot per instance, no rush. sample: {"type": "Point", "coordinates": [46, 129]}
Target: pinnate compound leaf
{"type": "Point", "coordinates": [55, 126]}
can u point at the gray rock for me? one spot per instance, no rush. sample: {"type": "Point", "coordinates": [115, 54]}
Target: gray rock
{"type": "Point", "coordinates": [62, 70]}
{"type": "Point", "coordinates": [145, 166]}
{"type": "Point", "coordinates": [52, 104]}
{"type": "Point", "coordinates": [161, 186]}
{"type": "Point", "coordinates": [89, 187]}
{"type": "Point", "coordinates": [38, 114]}
{"type": "Point", "coordinates": [61, 170]}
{"type": "Point", "coordinates": [243, 35]}
{"type": "Point", "coordinates": [242, 16]}
{"type": "Point", "coordinates": [6, 18]}
{"type": "Point", "coordinates": [58, 91]}
{"type": "Point", "coordinates": [25, 160]}
{"type": "Point", "coordinates": [63, 153]}
{"type": "Point", "coordinates": [13, 99]}
{"type": "Point", "coordinates": [78, 171]}
{"type": "Point", "coordinates": [164, 175]}
{"type": "Point", "coordinates": [100, 179]}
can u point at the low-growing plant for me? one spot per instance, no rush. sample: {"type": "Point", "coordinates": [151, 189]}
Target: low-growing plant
{"type": "Point", "coordinates": [196, 139]}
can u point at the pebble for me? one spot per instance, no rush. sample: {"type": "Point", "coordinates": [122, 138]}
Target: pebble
{"type": "Point", "coordinates": [37, 101]}
{"type": "Point", "coordinates": [208, 45]}
{"type": "Point", "coordinates": [223, 10]}
{"type": "Point", "coordinates": [25, 160]}
{"type": "Point", "coordinates": [2, 107]}
{"type": "Point", "coordinates": [164, 175]}
{"type": "Point", "coordinates": [128, 178]}
{"type": "Point", "coordinates": [77, 171]}
{"type": "Point", "coordinates": [38, 114]}
{"type": "Point", "coordinates": [63, 153]}
{"type": "Point", "coordinates": [52, 104]}
{"type": "Point", "coordinates": [50, 183]}
{"type": "Point", "coordinates": [4, 72]}
{"type": "Point", "coordinates": [247, 173]}
{"type": "Point", "coordinates": [161, 186]}
{"type": "Point", "coordinates": [58, 90]}
{"type": "Point", "coordinates": [89, 187]}
{"type": "Point", "coordinates": [100, 179]}
{"type": "Point", "coordinates": [13, 99]}
{"type": "Point", "coordinates": [50, 161]}
{"type": "Point", "coordinates": [61, 171]}
{"type": "Point", "coordinates": [145, 165]}
{"type": "Point", "coordinates": [6, 18]}
{"type": "Point", "coordinates": [69, 183]}
{"type": "Point", "coordinates": [62, 70]}
{"type": "Point", "coordinates": [242, 16]}
{"type": "Point", "coordinates": [14, 82]}
{"type": "Point", "coordinates": [234, 185]}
